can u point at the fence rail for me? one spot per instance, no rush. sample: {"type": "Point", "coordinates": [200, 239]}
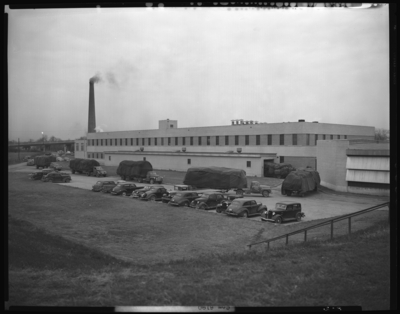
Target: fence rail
{"type": "Point", "coordinates": [328, 222]}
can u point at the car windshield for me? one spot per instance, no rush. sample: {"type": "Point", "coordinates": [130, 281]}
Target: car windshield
{"type": "Point", "coordinates": [280, 206]}
{"type": "Point", "coordinates": [236, 204]}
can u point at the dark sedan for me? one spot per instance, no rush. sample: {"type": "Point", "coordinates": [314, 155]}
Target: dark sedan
{"type": "Point", "coordinates": [137, 193]}
{"type": "Point", "coordinates": [208, 200]}
{"type": "Point", "coordinates": [154, 194]}
{"type": "Point", "coordinates": [38, 175]}
{"type": "Point", "coordinates": [283, 211]}
{"type": "Point", "coordinates": [100, 185]}
{"type": "Point", "coordinates": [245, 208]}
{"type": "Point", "coordinates": [125, 189]}
{"type": "Point", "coordinates": [183, 198]}
{"type": "Point", "coordinates": [57, 177]}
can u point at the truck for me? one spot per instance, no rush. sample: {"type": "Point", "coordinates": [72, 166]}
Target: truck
{"type": "Point", "coordinates": [141, 171]}
{"type": "Point", "coordinates": [300, 182]}
{"type": "Point", "coordinates": [43, 161]}
{"type": "Point", "coordinates": [90, 167]}
{"type": "Point", "coordinates": [277, 170]}
{"type": "Point", "coordinates": [256, 188]}
{"type": "Point", "coordinates": [220, 178]}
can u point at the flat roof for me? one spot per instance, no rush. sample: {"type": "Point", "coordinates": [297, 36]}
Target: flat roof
{"type": "Point", "coordinates": [368, 149]}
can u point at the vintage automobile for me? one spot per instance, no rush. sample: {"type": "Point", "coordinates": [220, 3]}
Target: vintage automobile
{"type": "Point", "coordinates": [108, 188]}
{"type": "Point", "coordinates": [178, 187]}
{"type": "Point", "coordinates": [39, 174]}
{"type": "Point", "coordinates": [26, 158]}
{"type": "Point", "coordinates": [31, 162]}
{"type": "Point", "coordinates": [125, 189]}
{"type": "Point", "coordinates": [57, 177]}
{"type": "Point", "coordinates": [245, 208]}
{"type": "Point", "coordinates": [208, 200]}
{"type": "Point", "coordinates": [136, 194]}
{"type": "Point", "coordinates": [283, 211]}
{"type": "Point", "coordinates": [55, 166]}
{"type": "Point", "coordinates": [183, 198]}
{"type": "Point", "coordinates": [100, 185]}
{"type": "Point", "coordinates": [223, 206]}
{"type": "Point", "coordinates": [183, 187]}
{"type": "Point", "coordinates": [154, 194]}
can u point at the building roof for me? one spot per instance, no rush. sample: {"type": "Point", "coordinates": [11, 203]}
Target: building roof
{"type": "Point", "coordinates": [368, 149]}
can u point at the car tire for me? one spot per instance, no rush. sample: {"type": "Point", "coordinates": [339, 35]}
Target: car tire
{"type": "Point", "coordinates": [152, 198]}
{"type": "Point", "coordinates": [278, 220]}
{"type": "Point", "coordinates": [245, 214]}
{"type": "Point", "coordinates": [265, 193]}
{"type": "Point", "coordinates": [151, 181]}
{"type": "Point", "coordinates": [202, 206]}
{"type": "Point", "coordinates": [185, 204]}
{"type": "Point", "coordinates": [218, 210]}
{"type": "Point", "coordinates": [298, 216]}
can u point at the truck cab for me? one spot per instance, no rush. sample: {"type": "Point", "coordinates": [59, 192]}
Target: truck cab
{"type": "Point", "coordinates": [152, 177]}
{"type": "Point", "coordinates": [256, 188]}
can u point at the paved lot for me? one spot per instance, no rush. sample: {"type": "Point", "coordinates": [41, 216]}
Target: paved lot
{"type": "Point", "coordinates": [322, 204]}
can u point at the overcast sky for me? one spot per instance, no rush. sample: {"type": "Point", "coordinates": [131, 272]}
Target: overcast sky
{"type": "Point", "coordinates": [202, 67]}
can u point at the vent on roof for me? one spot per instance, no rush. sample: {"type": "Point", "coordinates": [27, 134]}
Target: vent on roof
{"type": "Point", "coordinates": [301, 120]}
{"type": "Point", "coordinates": [315, 122]}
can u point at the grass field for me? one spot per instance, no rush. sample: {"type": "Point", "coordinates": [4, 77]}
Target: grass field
{"type": "Point", "coordinates": [69, 246]}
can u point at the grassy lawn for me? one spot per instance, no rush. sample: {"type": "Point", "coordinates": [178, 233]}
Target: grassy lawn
{"type": "Point", "coordinates": [46, 269]}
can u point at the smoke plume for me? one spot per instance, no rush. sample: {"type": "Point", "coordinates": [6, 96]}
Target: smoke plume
{"type": "Point", "coordinates": [96, 79]}
{"type": "Point", "coordinates": [98, 129]}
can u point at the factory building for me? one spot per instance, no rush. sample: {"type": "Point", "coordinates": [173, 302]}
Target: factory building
{"type": "Point", "coordinates": [243, 144]}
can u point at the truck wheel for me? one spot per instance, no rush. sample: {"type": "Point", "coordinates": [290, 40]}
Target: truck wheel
{"type": "Point", "coordinates": [151, 181]}
{"type": "Point", "coordinates": [298, 216]}
{"type": "Point", "coordinates": [265, 193]}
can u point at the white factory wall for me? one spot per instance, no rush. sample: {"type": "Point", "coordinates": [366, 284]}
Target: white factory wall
{"type": "Point", "coordinates": [180, 163]}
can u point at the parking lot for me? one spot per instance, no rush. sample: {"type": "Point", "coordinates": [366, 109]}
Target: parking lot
{"type": "Point", "coordinates": [322, 204]}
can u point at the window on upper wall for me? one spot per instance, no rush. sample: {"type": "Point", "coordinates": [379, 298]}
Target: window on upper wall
{"type": "Point", "coordinates": [191, 140]}
{"type": "Point", "coordinates": [77, 146]}
{"type": "Point", "coordinates": [101, 142]}
{"type": "Point", "coordinates": [183, 141]}
{"type": "Point", "coordinates": [143, 141]}
{"type": "Point", "coordinates": [199, 140]}
{"type": "Point", "coordinates": [169, 141]}
{"type": "Point", "coordinates": [345, 137]}
{"type": "Point", "coordinates": [176, 141]}
{"type": "Point", "coordinates": [109, 157]}
{"type": "Point", "coordinates": [308, 139]}
{"type": "Point", "coordinates": [208, 140]}
{"type": "Point", "coordinates": [226, 140]}
{"type": "Point", "coordinates": [294, 139]}
{"type": "Point", "coordinates": [246, 140]}
{"type": "Point", "coordinates": [120, 141]}
{"type": "Point", "coordinates": [324, 137]}
{"type": "Point", "coordinates": [331, 137]}
{"type": "Point", "coordinates": [144, 158]}
{"type": "Point", "coordinates": [338, 137]}
{"type": "Point", "coordinates": [248, 164]}
{"type": "Point", "coordinates": [137, 141]}
{"type": "Point", "coordinates": [131, 141]}
{"type": "Point", "coordinates": [316, 139]}
{"type": "Point", "coordinates": [257, 139]}
{"type": "Point", "coordinates": [110, 141]}
{"type": "Point", "coordinates": [189, 161]}
{"type": "Point", "coordinates": [82, 146]}
{"type": "Point", "coordinates": [149, 141]}
{"type": "Point", "coordinates": [269, 139]}
{"type": "Point", "coordinates": [217, 140]}
{"type": "Point", "coordinates": [281, 139]}
{"type": "Point", "coordinates": [162, 141]}
{"type": "Point", "coordinates": [126, 142]}
{"type": "Point", "coordinates": [101, 155]}
{"type": "Point", "coordinates": [155, 141]}
{"type": "Point", "coordinates": [97, 142]}
{"type": "Point", "coordinates": [236, 139]}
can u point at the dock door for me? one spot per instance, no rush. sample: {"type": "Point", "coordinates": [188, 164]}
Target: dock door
{"type": "Point", "coordinates": [265, 167]}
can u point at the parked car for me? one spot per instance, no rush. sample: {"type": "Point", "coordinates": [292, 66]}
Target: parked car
{"type": "Point", "coordinates": [101, 184]}
{"type": "Point", "coordinates": [283, 211]}
{"type": "Point", "coordinates": [183, 187]}
{"type": "Point", "coordinates": [125, 189]}
{"type": "Point", "coordinates": [183, 198]}
{"type": "Point", "coordinates": [245, 208]}
{"type": "Point", "coordinates": [109, 187]}
{"type": "Point", "coordinates": [178, 187]}
{"type": "Point", "coordinates": [223, 206]}
{"type": "Point", "coordinates": [55, 166]}
{"type": "Point", "coordinates": [31, 162]}
{"type": "Point", "coordinates": [57, 177]}
{"type": "Point", "coordinates": [154, 194]}
{"type": "Point", "coordinates": [39, 174]}
{"type": "Point", "coordinates": [137, 193]}
{"type": "Point", "coordinates": [208, 200]}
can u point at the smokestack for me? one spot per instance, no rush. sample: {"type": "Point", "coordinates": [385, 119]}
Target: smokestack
{"type": "Point", "coordinates": [92, 114]}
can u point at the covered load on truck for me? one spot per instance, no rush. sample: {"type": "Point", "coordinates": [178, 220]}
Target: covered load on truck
{"type": "Point", "coordinates": [129, 169]}
{"type": "Point", "coordinates": [301, 181]}
{"type": "Point", "coordinates": [87, 166]}
{"type": "Point", "coordinates": [277, 170]}
{"type": "Point", "coordinates": [216, 178]}
{"type": "Point", "coordinates": [44, 161]}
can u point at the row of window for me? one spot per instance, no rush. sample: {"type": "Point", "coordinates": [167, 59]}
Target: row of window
{"type": "Point", "coordinates": [77, 146]}
{"type": "Point", "coordinates": [197, 140]}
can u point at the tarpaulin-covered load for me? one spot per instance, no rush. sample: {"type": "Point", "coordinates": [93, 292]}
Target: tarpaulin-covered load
{"type": "Point", "coordinates": [301, 181]}
{"type": "Point", "coordinates": [83, 165]}
{"type": "Point", "coordinates": [136, 169]}
{"type": "Point", "coordinates": [44, 161]}
{"type": "Point", "coordinates": [216, 178]}
{"type": "Point", "coordinates": [276, 170]}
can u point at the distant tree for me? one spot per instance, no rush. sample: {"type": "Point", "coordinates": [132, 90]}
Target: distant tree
{"type": "Point", "coordinates": [41, 139]}
{"type": "Point", "coordinates": [54, 139]}
{"type": "Point", "coordinates": [382, 135]}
